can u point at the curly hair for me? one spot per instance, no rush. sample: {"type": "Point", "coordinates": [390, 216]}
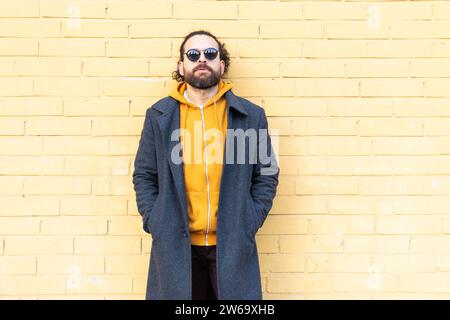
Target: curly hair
{"type": "Point", "coordinates": [223, 53]}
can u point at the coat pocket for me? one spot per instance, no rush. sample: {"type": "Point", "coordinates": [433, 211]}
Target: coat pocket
{"type": "Point", "coordinates": [150, 219]}
{"type": "Point", "coordinates": [254, 215]}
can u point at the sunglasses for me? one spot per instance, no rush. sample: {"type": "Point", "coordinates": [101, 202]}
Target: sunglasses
{"type": "Point", "coordinates": [194, 54]}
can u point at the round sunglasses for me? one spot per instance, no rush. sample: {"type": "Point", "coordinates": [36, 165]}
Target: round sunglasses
{"type": "Point", "coordinates": [194, 54]}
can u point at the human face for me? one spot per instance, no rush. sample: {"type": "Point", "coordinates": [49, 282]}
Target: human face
{"type": "Point", "coordinates": [203, 73]}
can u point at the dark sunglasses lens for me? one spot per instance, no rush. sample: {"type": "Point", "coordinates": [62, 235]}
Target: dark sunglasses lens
{"type": "Point", "coordinates": [211, 54]}
{"type": "Point", "coordinates": [193, 55]}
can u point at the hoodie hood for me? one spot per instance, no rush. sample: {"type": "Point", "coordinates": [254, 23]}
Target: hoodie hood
{"type": "Point", "coordinates": [178, 93]}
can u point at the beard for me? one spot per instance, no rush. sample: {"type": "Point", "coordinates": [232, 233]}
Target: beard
{"type": "Point", "coordinates": [204, 80]}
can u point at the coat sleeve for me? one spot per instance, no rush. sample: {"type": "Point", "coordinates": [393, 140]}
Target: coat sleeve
{"type": "Point", "coordinates": [265, 172]}
{"type": "Point", "coordinates": [145, 175]}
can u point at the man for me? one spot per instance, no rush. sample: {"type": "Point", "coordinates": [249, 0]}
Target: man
{"type": "Point", "coordinates": [204, 199]}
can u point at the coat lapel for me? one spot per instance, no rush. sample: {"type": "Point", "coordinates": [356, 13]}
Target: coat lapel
{"type": "Point", "coordinates": [169, 121]}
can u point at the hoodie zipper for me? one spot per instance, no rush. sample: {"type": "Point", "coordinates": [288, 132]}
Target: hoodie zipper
{"type": "Point", "coordinates": [207, 178]}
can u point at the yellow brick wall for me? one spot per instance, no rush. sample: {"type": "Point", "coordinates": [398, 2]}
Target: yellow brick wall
{"type": "Point", "coordinates": [358, 91]}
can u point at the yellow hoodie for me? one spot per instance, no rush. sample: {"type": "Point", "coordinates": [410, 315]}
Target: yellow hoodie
{"type": "Point", "coordinates": [202, 176]}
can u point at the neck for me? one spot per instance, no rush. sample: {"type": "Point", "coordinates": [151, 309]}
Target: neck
{"type": "Point", "coordinates": [201, 96]}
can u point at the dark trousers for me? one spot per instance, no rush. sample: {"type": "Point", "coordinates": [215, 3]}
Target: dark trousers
{"type": "Point", "coordinates": [204, 276]}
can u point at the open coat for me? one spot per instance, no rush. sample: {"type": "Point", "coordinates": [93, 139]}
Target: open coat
{"type": "Point", "coordinates": [246, 196]}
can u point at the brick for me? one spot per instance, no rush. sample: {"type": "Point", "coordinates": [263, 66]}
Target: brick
{"type": "Point", "coordinates": [34, 106]}
{"type": "Point", "coordinates": [16, 87]}
{"type": "Point", "coordinates": [48, 68]}
{"type": "Point", "coordinates": [312, 48]}
{"type": "Point", "coordinates": [409, 225]}
{"type": "Point", "coordinates": [436, 87]}
{"type": "Point", "coordinates": [70, 265]}
{"type": "Point", "coordinates": [205, 10]}
{"type": "Point", "coordinates": [311, 243]}
{"type": "Point", "coordinates": [288, 29]}
{"type": "Point", "coordinates": [286, 185]}
{"type": "Point", "coordinates": [376, 244]}
{"type": "Point", "coordinates": [96, 166]}
{"type": "Point", "coordinates": [131, 87]}
{"type": "Point", "coordinates": [58, 126]}
{"type": "Point", "coordinates": [28, 206]}
{"type": "Point", "coordinates": [299, 205]}
{"type": "Point", "coordinates": [350, 204]}
{"type": "Point", "coordinates": [11, 185]}
{"type": "Point", "coordinates": [299, 283]}
{"type": "Point", "coordinates": [138, 48]}
{"type": "Point", "coordinates": [326, 185]}
{"type": "Point", "coordinates": [284, 225]}
{"type": "Point", "coordinates": [74, 226]}
{"type": "Point", "coordinates": [18, 47]}
{"type": "Point", "coordinates": [419, 204]}
{"type": "Point", "coordinates": [55, 9]}
{"type": "Point", "coordinates": [356, 30]}
{"type": "Point", "coordinates": [370, 282]}
{"type": "Point", "coordinates": [327, 263]}
{"type": "Point", "coordinates": [32, 285]}
{"type": "Point", "coordinates": [127, 264]}
{"type": "Point", "coordinates": [365, 165]}
{"type": "Point", "coordinates": [399, 48]}
{"type": "Point", "coordinates": [391, 185]}
{"type": "Point", "coordinates": [123, 145]}
{"type": "Point", "coordinates": [75, 145]}
{"type": "Point", "coordinates": [282, 262]}
{"type": "Point", "coordinates": [108, 245]}
{"type": "Point", "coordinates": [258, 48]}
{"type": "Point", "coordinates": [327, 87]}
{"type": "Point", "coordinates": [11, 126]}
{"type": "Point", "coordinates": [66, 87]}
{"type": "Point", "coordinates": [405, 263]}
{"type": "Point", "coordinates": [252, 69]}
{"type": "Point", "coordinates": [408, 145]}
{"type": "Point", "coordinates": [345, 145]}
{"type": "Point", "coordinates": [267, 243]}
{"type": "Point", "coordinates": [72, 47]}
{"type": "Point", "coordinates": [97, 284]}
{"type": "Point", "coordinates": [436, 244]}
{"type": "Point", "coordinates": [19, 226]}
{"type": "Point", "coordinates": [342, 225]}
{"type": "Point", "coordinates": [390, 87]}
{"type": "Point", "coordinates": [361, 107]}
{"type": "Point", "coordinates": [96, 107]}
{"type": "Point", "coordinates": [302, 165]}
{"type": "Point", "coordinates": [385, 68]}
{"type": "Point", "coordinates": [95, 29]}
{"type": "Point", "coordinates": [430, 68]}
{"type": "Point", "coordinates": [424, 165]}
{"type": "Point", "coordinates": [139, 10]}
{"type": "Point", "coordinates": [270, 11]}
{"type": "Point", "coordinates": [38, 245]}
{"type": "Point", "coordinates": [162, 29]}
{"type": "Point", "coordinates": [93, 206]}
{"type": "Point", "coordinates": [334, 11]}
{"type": "Point", "coordinates": [19, 9]}
{"type": "Point", "coordinates": [17, 265]}
{"type": "Point", "coordinates": [329, 68]}
{"type": "Point", "coordinates": [120, 186]}
{"type": "Point", "coordinates": [288, 106]}
{"type": "Point", "coordinates": [125, 226]}
{"type": "Point", "coordinates": [30, 29]}
{"type": "Point", "coordinates": [324, 126]}
{"type": "Point", "coordinates": [116, 67]}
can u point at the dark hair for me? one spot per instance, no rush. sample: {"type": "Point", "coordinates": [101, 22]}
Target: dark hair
{"type": "Point", "coordinates": [223, 53]}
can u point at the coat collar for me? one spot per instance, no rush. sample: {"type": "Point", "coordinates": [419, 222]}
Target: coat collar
{"type": "Point", "coordinates": [232, 102]}
{"type": "Point", "coordinates": [169, 121]}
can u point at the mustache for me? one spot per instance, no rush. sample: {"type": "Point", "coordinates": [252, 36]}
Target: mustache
{"type": "Point", "coordinates": [202, 67]}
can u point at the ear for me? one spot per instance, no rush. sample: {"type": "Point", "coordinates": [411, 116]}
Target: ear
{"type": "Point", "coordinates": [222, 67]}
{"type": "Point", "coordinates": [180, 68]}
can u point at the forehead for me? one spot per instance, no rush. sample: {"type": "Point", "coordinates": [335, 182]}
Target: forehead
{"type": "Point", "coordinates": [200, 41]}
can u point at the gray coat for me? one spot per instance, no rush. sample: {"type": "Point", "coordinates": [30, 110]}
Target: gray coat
{"type": "Point", "coordinates": [246, 197]}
